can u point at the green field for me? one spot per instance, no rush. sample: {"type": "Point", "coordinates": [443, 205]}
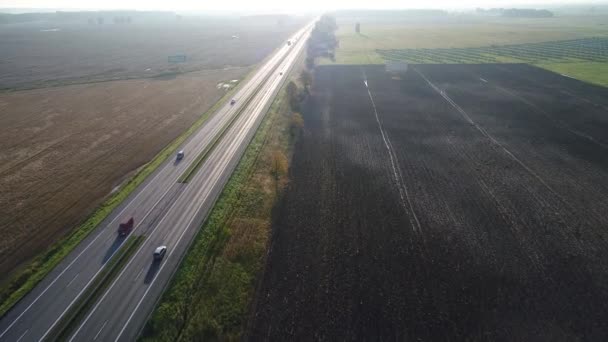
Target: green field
{"type": "Point", "coordinates": [574, 45]}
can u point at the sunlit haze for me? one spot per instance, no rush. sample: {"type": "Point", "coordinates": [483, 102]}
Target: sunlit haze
{"type": "Point", "coordinates": [273, 5]}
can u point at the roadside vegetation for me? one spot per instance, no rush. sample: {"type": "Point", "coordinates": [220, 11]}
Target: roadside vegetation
{"type": "Point", "coordinates": [573, 45]}
{"type": "Point", "coordinates": [210, 295]}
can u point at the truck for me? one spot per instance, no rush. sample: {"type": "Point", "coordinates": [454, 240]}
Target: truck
{"type": "Point", "coordinates": [125, 228]}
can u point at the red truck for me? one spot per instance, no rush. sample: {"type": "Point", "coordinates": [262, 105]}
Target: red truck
{"type": "Point", "coordinates": [125, 228]}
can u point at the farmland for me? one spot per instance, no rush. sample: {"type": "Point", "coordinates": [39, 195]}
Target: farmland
{"type": "Point", "coordinates": [575, 45]}
{"type": "Point", "coordinates": [454, 202]}
{"type": "Point", "coordinates": [57, 53]}
{"type": "Point", "coordinates": [89, 106]}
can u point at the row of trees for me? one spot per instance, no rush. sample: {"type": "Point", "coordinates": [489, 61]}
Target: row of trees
{"type": "Point", "coordinates": [516, 12]}
{"type": "Point", "coordinates": [322, 41]}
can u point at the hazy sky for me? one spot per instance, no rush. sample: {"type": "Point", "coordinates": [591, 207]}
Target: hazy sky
{"type": "Point", "coordinates": [261, 5]}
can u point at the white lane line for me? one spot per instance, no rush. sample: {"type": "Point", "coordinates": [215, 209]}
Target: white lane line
{"type": "Point", "coordinates": [403, 192]}
{"type": "Point", "coordinates": [99, 332]}
{"type": "Point", "coordinates": [138, 274]}
{"type": "Point", "coordinates": [20, 337]}
{"type": "Point", "coordinates": [71, 281]}
{"type": "Point", "coordinates": [483, 80]}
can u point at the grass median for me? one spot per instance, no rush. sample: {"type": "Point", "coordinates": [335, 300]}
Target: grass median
{"type": "Point", "coordinates": [209, 296]}
{"type": "Point", "coordinates": [26, 278]}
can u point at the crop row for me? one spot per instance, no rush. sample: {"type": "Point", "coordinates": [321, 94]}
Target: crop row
{"type": "Point", "coordinates": [577, 50]}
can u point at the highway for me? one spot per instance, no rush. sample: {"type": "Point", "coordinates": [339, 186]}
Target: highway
{"type": "Point", "coordinates": [165, 211]}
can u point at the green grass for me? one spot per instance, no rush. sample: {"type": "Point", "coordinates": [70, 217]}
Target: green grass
{"type": "Point", "coordinates": [26, 278]}
{"type": "Point", "coordinates": [209, 296]}
{"type": "Point", "coordinates": [96, 289]}
{"type": "Point", "coordinates": [596, 73]}
{"type": "Point", "coordinates": [549, 42]}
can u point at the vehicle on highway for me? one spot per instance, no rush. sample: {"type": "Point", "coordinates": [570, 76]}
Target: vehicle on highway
{"type": "Point", "coordinates": [289, 43]}
{"type": "Point", "coordinates": [125, 228]}
{"type": "Point", "coordinates": [233, 101]}
{"type": "Point", "coordinates": [281, 73]}
{"type": "Point", "coordinates": [180, 155]}
{"type": "Point", "coordinates": [159, 252]}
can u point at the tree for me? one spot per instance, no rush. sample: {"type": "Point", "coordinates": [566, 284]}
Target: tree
{"type": "Point", "coordinates": [306, 79]}
{"type": "Point", "coordinates": [296, 123]}
{"type": "Point", "coordinates": [293, 94]}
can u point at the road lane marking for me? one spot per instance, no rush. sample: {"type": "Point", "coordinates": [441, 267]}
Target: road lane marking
{"type": "Point", "coordinates": [71, 281]}
{"type": "Point", "coordinates": [138, 274]}
{"type": "Point", "coordinates": [482, 80]}
{"type": "Point", "coordinates": [99, 332]}
{"type": "Point", "coordinates": [20, 337]}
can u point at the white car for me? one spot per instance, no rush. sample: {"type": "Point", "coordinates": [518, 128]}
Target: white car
{"type": "Point", "coordinates": [159, 252]}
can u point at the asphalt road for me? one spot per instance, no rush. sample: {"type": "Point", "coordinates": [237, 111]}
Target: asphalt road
{"type": "Point", "coordinates": [166, 212]}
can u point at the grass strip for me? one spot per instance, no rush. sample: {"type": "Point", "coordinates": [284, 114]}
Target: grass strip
{"type": "Point", "coordinates": [25, 279]}
{"type": "Point", "coordinates": [209, 296]}
{"type": "Point", "coordinates": [62, 331]}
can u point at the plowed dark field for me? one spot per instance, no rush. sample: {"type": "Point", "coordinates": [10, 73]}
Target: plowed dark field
{"type": "Point", "coordinates": [459, 202]}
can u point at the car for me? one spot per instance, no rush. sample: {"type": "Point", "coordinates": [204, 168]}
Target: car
{"type": "Point", "coordinates": [159, 252]}
{"type": "Point", "coordinates": [233, 101]}
{"type": "Point", "coordinates": [180, 155]}
{"type": "Point", "coordinates": [281, 73]}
